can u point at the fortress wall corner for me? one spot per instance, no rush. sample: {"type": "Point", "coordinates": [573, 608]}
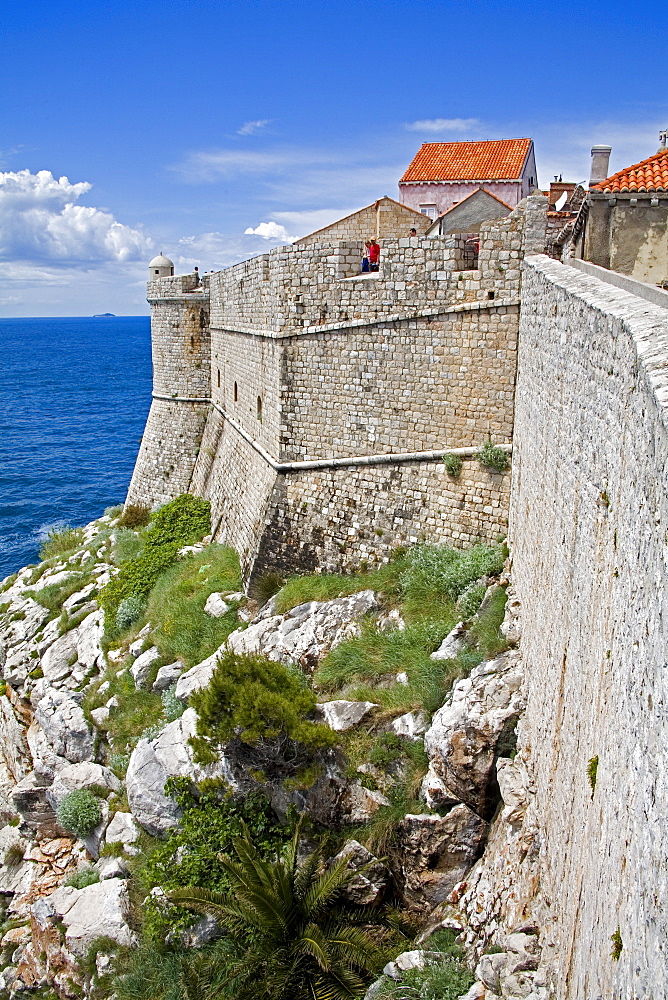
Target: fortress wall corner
{"type": "Point", "coordinates": [589, 544]}
{"type": "Point", "coordinates": [181, 352]}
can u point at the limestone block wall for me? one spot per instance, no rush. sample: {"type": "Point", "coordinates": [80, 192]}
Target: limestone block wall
{"type": "Point", "coordinates": [413, 385]}
{"type": "Point", "coordinates": [340, 520]}
{"type": "Point", "coordinates": [589, 542]}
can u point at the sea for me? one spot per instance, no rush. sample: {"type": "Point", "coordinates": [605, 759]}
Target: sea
{"type": "Point", "coordinates": [74, 396]}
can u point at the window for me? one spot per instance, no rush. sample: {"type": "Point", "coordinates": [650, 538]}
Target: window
{"type": "Point", "coordinates": [219, 378]}
{"type": "Point", "coordinates": [236, 393]}
{"type": "Point", "coordinates": [259, 408]}
{"type": "Point", "coordinates": [429, 210]}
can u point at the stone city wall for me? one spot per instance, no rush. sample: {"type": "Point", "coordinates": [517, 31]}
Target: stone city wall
{"type": "Point", "coordinates": [589, 544]}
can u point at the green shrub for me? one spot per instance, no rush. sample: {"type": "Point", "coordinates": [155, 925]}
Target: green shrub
{"type": "Point", "coordinates": [134, 516]}
{"type": "Point", "coordinates": [61, 541]}
{"type": "Point", "coordinates": [447, 979]}
{"type": "Point", "coordinates": [129, 610]}
{"type": "Point", "coordinates": [493, 457]}
{"type": "Point", "coordinates": [453, 464]}
{"type": "Point", "coordinates": [617, 946]}
{"type": "Point", "coordinates": [83, 877]}
{"type": "Point", "coordinates": [194, 853]}
{"type": "Point", "coordinates": [172, 707]}
{"type": "Point", "coordinates": [180, 522]}
{"type": "Point", "coordinates": [484, 634]}
{"type": "Point", "coordinates": [257, 701]}
{"type": "Point", "coordinates": [470, 600]}
{"type": "Point", "coordinates": [79, 812]}
{"type": "Point", "coordinates": [436, 572]}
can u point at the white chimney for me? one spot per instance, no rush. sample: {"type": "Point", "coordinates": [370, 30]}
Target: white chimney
{"type": "Point", "coordinates": [600, 158]}
{"type": "Point", "coordinates": [662, 140]}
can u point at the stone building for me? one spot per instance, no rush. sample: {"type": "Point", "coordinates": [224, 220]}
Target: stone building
{"type": "Point", "coordinates": [384, 219]}
{"type": "Point", "coordinates": [313, 404]}
{"type": "Point", "coordinates": [623, 224]}
{"type": "Point", "coordinates": [469, 213]}
{"type": "Point", "coordinates": [443, 173]}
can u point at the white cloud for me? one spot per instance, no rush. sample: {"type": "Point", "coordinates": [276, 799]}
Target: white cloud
{"type": "Point", "coordinates": [252, 128]}
{"type": "Point", "coordinates": [269, 231]}
{"type": "Point", "coordinates": [40, 221]}
{"type": "Point", "coordinates": [444, 125]}
{"type": "Point", "coordinates": [215, 251]}
{"type": "Point", "coordinates": [201, 167]}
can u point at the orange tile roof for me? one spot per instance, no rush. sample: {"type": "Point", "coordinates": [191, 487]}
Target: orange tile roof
{"type": "Point", "coordinates": [648, 175]}
{"type": "Point", "coordinates": [494, 159]}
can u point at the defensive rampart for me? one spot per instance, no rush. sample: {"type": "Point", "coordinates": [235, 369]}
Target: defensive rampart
{"type": "Point", "coordinates": [589, 539]}
{"type": "Point", "coordinates": [331, 396]}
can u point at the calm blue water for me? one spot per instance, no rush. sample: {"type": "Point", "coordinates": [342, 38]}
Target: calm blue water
{"type": "Point", "coordinates": [74, 395]}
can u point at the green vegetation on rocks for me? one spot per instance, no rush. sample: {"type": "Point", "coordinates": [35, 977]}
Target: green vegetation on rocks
{"type": "Point", "coordinates": [79, 812]}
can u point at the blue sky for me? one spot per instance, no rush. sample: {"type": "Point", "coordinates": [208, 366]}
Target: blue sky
{"type": "Point", "coordinates": [131, 128]}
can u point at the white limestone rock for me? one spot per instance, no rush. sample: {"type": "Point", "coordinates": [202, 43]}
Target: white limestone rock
{"type": "Point", "coordinates": [77, 776]}
{"type": "Point", "coordinates": [153, 761]}
{"type": "Point", "coordinates": [461, 741]}
{"type": "Point", "coordinates": [79, 597]}
{"type": "Point", "coordinates": [122, 829]}
{"type": "Point", "coordinates": [65, 727]}
{"type": "Point", "coordinates": [452, 645]}
{"type": "Point", "coordinates": [412, 725]}
{"type": "Point", "coordinates": [56, 663]}
{"type": "Point", "coordinates": [100, 716]}
{"type": "Point", "coordinates": [358, 804]}
{"type": "Point", "coordinates": [47, 579]}
{"type": "Point", "coordinates": [197, 677]}
{"type": "Point", "coordinates": [89, 636]}
{"type": "Point", "coordinates": [168, 675]}
{"type": "Point", "coordinates": [141, 668]}
{"type": "Point", "coordinates": [514, 787]}
{"type": "Point", "coordinates": [111, 867]}
{"type": "Point", "coordinates": [99, 910]}
{"type": "Point", "coordinates": [216, 606]}
{"type": "Point", "coordinates": [342, 715]}
{"type": "Point", "coordinates": [410, 960]}
{"type": "Point", "coordinates": [304, 634]}
{"type": "Point", "coordinates": [46, 762]}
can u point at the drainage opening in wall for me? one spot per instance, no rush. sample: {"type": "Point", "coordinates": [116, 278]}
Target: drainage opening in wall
{"type": "Point", "coordinates": [259, 408]}
{"type": "Point", "coordinates": [236, 392]}
{"type": "Point", "coordinates": [219, 378]}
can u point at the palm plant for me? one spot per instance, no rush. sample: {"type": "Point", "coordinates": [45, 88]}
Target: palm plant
{"type": "Point", "coordinates": [296, 937]}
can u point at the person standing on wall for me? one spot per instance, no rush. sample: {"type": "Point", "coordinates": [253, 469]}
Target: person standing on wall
{"type": "Point", "coordinates": [374, 255]}
{"type": "Point", "coordinates": [365, 257]}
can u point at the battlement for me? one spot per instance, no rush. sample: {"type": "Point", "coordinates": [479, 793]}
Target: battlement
{"type": "Point", "coordinates": [176, 285]}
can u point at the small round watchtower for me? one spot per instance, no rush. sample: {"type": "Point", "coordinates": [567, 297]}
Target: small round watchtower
{"type": "Point", "coordinates": [160, 267]}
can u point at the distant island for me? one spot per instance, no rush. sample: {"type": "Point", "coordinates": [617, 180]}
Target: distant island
{"type": "Point", "coordinates": [102, 315]}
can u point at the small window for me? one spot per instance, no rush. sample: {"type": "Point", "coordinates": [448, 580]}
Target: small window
{"type": "Point", "coordinates": [219, 378]}
{"type": "Point", "coordinates": [490, 295]}
{"type": "Point", "coordinates": [157, 271]}
{"type": "Point", "coordinates": [236, 392]}
{"type": "Point", "coordinates": [429, 210]}
{"type": "Point", "coordinates": [259, 408]}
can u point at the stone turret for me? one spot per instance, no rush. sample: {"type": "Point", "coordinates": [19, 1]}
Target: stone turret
{"type": "Point", "coordinates": [160, 267]}
{"type": "Point", "coordinates": [181, 350]}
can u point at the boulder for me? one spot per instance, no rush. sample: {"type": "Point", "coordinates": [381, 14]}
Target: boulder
{"type": "Point", "coordinates": [111, 867]}
{"type": "Point", "coordinates": [452, 645]}
{"type": "Point", "coordinates": [99, 910]}
{"type": "Point", "coordinates": [85, 775]}
{"type": "Point", "coordinates": [436, 793]}
{"type": "Point", "coordinates": [436, 852]}
{"type": "Point", "coordinates": [57, 661]}
{"type": "Point", "coordinates": [513, 786]}
{"type": "Point", "coordinates": [412, 725]}
{"type": "Point", "coordinates": [411, 960]}
{"type": "Point", "coordinates": [89, 636]}
{"type": "Point", "coordinates": [46, 761]}
{"type": "Point", "coordinates": [30, 801]}
{"type": "Point", "coordinates": [80, 597]}
{"type": "Point", "coordinates": [122, 829]}
{"type": "Point", "coordinates": [100, 716]}
{"type": "Point", "coordinates": [168, 675]}
{"type": "Point", "coordinates": [343, 715]}
{"type": "Point", "coordinates": [153, 761]}
{"type": "Point", "coordinates": [141, 668]}
{"type": "Point", "coordinates": [462, 739]}
{"type": "Point", "coordinates": [306, 633]}
{"type": "Point", "coordinates": [197, 677]}
{"type": "Point", "coordinates": [64, 725]}
{"type": "Point", "coordinates": [216, 606]}
{"type": "Point", "coordinates": [372, 879]}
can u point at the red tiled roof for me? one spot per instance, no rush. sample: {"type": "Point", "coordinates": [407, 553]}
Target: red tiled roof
{"type": "Point", "coordinates": [648, 175]}
{"type": "Point", "coordinates": [495, 159]}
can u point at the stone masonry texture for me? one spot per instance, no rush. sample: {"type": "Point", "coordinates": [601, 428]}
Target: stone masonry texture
{"type": "Point", "coordinates": [301, 358]}
{"type": "Point", "coordinates": [589, 541]}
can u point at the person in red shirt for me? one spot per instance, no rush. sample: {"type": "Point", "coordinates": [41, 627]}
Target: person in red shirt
{"type": "Point", "coordinates": [374, 255]}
